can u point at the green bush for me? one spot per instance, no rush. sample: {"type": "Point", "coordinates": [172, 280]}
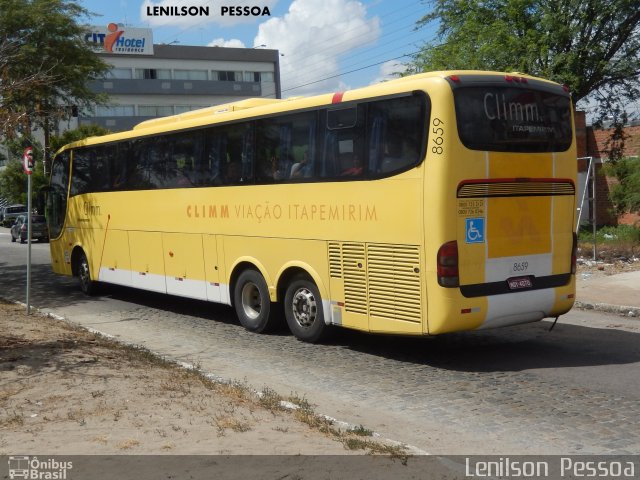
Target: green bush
{"type": "Point", "coordinates": [611, 235]}
{"type": "Point", "coordinates": [626, 194]}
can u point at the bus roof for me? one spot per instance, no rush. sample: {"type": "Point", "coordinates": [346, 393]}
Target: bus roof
{"type": "Point", "coordinates": [206, 112]}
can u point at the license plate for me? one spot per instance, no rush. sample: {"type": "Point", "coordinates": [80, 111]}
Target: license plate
{"type": "Point", "coordinates": [518, 283]}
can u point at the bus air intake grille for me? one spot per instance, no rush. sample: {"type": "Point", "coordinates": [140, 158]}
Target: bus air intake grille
{"type": "Point", "coordinates": [395, 289]}
{"type": "Point", "coordinates": [530, 187]}
{"type": "Point", "coordinates": [335, 260]}
{"type": "Point", "coordinates": [355, 277]}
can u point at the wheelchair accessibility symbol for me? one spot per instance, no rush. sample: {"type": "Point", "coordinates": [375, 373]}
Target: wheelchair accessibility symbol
{"type": "Point", "coordinates": [474, 230]}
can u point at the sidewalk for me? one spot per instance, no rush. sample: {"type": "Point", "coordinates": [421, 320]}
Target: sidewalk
{"type": "Point", "coordinates": [618, 293]}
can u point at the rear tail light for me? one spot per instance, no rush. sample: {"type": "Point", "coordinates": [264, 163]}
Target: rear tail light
{"type": "Point", "coordinates": [448, 275]}
{"type": "Point", "coordinates": [574, 253]}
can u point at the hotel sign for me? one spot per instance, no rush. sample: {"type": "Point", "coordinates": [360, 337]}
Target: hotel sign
{"type": "Point", "coordinates": [120, 40]}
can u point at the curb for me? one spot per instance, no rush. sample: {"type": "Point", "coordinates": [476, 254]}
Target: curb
{"type": "Point", "coordinates": [627, 311]}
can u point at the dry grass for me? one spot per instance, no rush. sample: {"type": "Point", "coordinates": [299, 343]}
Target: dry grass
{"type": "Point", "coordinates": [59, 378]}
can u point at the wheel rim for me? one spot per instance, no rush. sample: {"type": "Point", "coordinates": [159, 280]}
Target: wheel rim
{"type": "Point", "coordinates": [251, 301]}
{"type": "Point", "coordinates": [85, 277]}
{"type": "Point", "coordinates": [304, 307]}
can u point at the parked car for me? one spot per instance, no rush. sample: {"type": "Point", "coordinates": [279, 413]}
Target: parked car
{"type": "Point", "coordinates": [11, 212]}
{"type": "Point", "coordinates": [39, 229]}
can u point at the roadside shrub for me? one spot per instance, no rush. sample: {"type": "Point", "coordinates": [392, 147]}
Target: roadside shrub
{"type": "Point", "coordinates": [613, 243]}
{"type": "Point", "coordinates": [626, 194]}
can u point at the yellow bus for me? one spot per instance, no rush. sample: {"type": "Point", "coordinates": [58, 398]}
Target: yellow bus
{"type": "Point", "coordinates": [433, 203]}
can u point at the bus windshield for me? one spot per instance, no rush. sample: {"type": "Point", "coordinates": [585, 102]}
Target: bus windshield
{"type": "Point", "coordinates": [513, 119]}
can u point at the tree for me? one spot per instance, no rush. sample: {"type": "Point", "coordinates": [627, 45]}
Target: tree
{"type": "Point", "coordinates": [46, 65]}
{"type": "Point", "coordinates": [13, 87]}
{"type": "Point", "coordinates": [13, 181]}
{"type": "Point", "coordinates": [592, 46]}
{"type": "Point", "coordinates": [626, 194]}
{"type": "Point", "coordinates": [80, 133]}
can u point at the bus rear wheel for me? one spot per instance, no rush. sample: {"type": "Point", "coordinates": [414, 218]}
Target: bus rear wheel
{"type": "Point", "coordinates": [252, 302]}
{"type": "Point", "coordinates": [304, 312]}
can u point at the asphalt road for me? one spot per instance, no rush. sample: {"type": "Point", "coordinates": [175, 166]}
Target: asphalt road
{"type": "Point", "coordinates": [518, 390]}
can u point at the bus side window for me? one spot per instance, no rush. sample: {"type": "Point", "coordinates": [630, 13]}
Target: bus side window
{"type": "Point", "coordinates": [101, 170]}
{"type": "Point", "coordinates": [235, 146]}
{"type": "Point", "coordinates": [268, 151]}
{"type": "Point", "coordinates": [81, 171]}
{"type": "Point", "coordinates": [118, 166]}
{"type": "Point", "coordinates": [213, 158]}
{"type": "Point", "coordinates": [186, 157]}
{"type": "Point", "coordinates": [343, 153]}
{"type": "Point", "coordinates": [396, 131]}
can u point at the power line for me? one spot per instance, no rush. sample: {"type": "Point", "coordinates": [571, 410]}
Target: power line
{"type": "Point", "coordinates": [310, 70]}
{"type": "Point", "coordinates": [350, 71]}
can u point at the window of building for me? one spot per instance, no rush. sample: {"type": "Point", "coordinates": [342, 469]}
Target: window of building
{"type": "Point", "coordinates": [252, 76]}
{"type": "Point", "coordinates": [258, 77]}
{"type": "Point", "coordinates": [119, 73]}
{"type": "Point", "coordinates": [152, 73]}
{"type": "Point", "coordinates": [115, 111]}
{"type": "Point", "coordinates": [155, 110]}
{"type": "Point", "coordinates": [227, 76]}
{"type": "Point", "coordinates": [190, 75]}
{"type": "Point", "coordinates": [186, 108]}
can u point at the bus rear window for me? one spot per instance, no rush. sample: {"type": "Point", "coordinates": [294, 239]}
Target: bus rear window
{"type": "Point", "coordinates": [505, 119]}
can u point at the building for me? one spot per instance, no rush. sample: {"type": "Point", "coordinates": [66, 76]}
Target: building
{"type": "Point", "coordinates": [149, 81]}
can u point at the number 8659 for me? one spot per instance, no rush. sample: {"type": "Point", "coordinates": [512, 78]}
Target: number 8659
{"type": "Point", "coordinates": [438, 136]}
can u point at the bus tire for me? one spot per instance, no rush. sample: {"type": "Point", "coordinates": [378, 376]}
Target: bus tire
{"type": "Point", "coordinates": [88, 286]}
{"type": "Point", "coordinates": [304, 312]}
{"type": "Point", "coordinates": [252, 302]}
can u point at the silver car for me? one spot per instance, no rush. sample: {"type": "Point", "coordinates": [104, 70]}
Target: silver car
{"type": "Point", "coordinates": [39, 229]}
{"type": "Point", "coordinates": [11, 212]}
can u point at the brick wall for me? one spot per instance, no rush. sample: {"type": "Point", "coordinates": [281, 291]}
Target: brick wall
{"type": "Point", "coordinates": [597, 141]}
{"type": "Point", "coordinates": [591, 142]}
{"type": "Point", "coordinates": [581, 133]}
{"type": "Point", "coordinates": [605, 213]}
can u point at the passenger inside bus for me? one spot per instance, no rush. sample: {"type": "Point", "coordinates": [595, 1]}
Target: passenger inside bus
{"type": "Point", "coordinates": [355, 168]}
{"type": "Point", "coordinates": [299, 170]}
{"type": "Point", "coordinates": [233, 173]}
{"type": "Point", "coordinates": [392, 159]}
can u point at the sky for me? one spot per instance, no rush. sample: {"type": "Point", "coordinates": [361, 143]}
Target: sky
{"type": "Point", "coordinates": [325, 45]}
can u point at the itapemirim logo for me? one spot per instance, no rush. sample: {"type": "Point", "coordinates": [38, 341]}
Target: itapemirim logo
{"type": "Point", "coordinates": [22, 466]}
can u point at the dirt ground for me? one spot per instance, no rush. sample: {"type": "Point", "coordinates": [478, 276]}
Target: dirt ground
{"type": "Point", "coordinates": [611, 265]}
{"type": "Point", "coordinates": [66, 391]}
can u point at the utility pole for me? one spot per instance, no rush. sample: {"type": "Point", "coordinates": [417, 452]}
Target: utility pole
{"type": "Point", "coordinates": [27, 166]}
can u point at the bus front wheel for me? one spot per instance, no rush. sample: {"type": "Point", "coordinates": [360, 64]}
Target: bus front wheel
{"type": "Point", "coordinates": [252, 302]}
{"type": "Point", "coordinates": [304, 312]}
{"type": "Point", "coordinates": [88, 286]}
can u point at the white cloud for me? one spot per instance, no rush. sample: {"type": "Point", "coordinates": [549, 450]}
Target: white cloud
{"type": "Point", "coordinates": [312, 35]}
{"type": "Point", "coordinates": [221, 42]}
{"type": "Point", "coordinates": [215, 15]}
{"type": "Point", "coordinates": [389, 70]}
